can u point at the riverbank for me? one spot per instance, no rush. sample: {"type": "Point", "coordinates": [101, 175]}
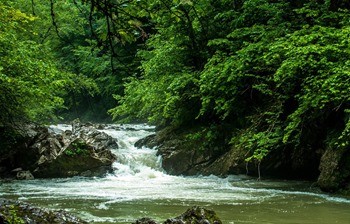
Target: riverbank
{"type": "Point", "coordinates": [184, 152]}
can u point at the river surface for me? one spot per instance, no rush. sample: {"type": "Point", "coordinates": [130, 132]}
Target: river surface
{"type": "Point", "coordinates": [140, 188]}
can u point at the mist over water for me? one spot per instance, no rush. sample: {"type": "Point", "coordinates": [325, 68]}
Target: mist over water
{"type": "Point", "coordinates": [139, 187]}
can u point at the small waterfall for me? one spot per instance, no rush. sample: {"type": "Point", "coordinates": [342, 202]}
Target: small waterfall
{"type": "Point", "coordinates": [131, 160]}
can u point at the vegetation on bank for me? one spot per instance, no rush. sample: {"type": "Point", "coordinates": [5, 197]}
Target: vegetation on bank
{"type": "Point", "coordinates": [259, 75]}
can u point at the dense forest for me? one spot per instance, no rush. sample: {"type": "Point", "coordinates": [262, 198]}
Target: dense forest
{"type": "Point", "coordinates": [259, 75]}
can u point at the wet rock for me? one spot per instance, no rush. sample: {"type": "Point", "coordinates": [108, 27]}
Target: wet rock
{"type": "Point", "coordinates": [17, 170]}
{"type": "Point", "coordinates": [86, 154]}
{"type": "Point", "coordinates": [196, 215]}
{"type": "Point", "coordinates": [19, 212]}
{"type": "Point", "coordinates": [145, 221]}
{"type": "Point", "coordinates": [180, 156]}
{"type": "Point", "coordinates": [232, 162]}
{"type": "Point", "coordinates": [184, 158]}
{"type": "Point", "coordinates": [334, 170]}
{"type": "Point", "coordinates": [46, 154]}
{"type": "Point", "coordinates": [100, 126]}
{"type": "Point", "coordinates": [24, 175]}
{"type": "Point", "coordinates": [149, 141]}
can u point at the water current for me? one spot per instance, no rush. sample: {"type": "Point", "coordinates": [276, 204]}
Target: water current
{"type": "Point", "coordinates": [140, 188]}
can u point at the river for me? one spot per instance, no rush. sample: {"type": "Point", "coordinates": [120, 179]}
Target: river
{"type": "Point", "coordinates": [140, 188]}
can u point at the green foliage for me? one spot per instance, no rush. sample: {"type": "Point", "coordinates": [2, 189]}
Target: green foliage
{"type": "Point", "coordinates": [315, 60]}
{"type": "Point", "coordinates": [207, 138]}
{"type": "Point", "coordinates": [167, 91]}
{"type": "Point", "coordinates": [276, 72]}
{"type": "Point", "coordinates": [32, 84]}
{"type": "Point", "coordinates": [29, 81]}
{"type": "Point", "coordinates": [11, 215]}
{"type": "Point", "coordinates": [76, 148]}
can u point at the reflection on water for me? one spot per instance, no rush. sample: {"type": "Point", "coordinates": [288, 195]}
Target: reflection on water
{"type": "Point", "coordinates": [140, 188]}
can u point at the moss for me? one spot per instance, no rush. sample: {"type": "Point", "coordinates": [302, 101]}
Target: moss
{"type": "Point", "coordinates": [76, 148]}
{"type": "Point", "coordinates": [11, 214]}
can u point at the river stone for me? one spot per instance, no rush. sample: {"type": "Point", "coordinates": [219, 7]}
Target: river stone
{"type": "Point", "coordinates": [24, 175]}
{"type": "Point", "coordinates": [148, 141]}
{"type": "Point", "coordinates": [194, 215]}
{"type": "Point", "coordinates": [20, 212]}
{"type": "Point", "coordinates": [197, 215]}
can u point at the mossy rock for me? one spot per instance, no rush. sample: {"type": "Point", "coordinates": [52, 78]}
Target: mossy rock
{"type": "Point", "coordinates": [20, 213]}
{"type": "Point", "coordinates": [79, 158]}
{"type": "Point", "coordinates": [196, 215]}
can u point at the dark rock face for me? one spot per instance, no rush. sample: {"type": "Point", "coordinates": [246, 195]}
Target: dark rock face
{"type": "Point", "coordinates": [19, 212]}
{"type": "Point", "coordinates": [195, 215]}
{"type": "Point", "coordinates": [82, 151]}
{"type": "Point", "coordinates": [335, 170]}
{"type": "Point", "coordinates": [232, 162]}
{"type": "Point", "coordinates": [149, 141]}
{"type": "Point", "coordinates": [179, 155]}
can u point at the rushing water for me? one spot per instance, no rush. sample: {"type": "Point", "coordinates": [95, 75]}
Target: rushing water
{"type": "Point", "coordinates": [140, 188]}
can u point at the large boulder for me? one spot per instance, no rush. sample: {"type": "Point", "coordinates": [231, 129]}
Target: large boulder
{"type": "Point", "coordinates": [83, 151]}
{"type": "Point", "coordinates": [78, 158]}
{"type": "Point", "coordinates": [197, 215]}
{"type": "Point", "coordinates": [185, 156]}
{"type": "Point", "coordinates": [180, 155]}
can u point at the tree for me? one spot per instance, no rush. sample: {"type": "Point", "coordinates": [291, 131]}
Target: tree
{"type": "Point", "coordinates": [269, 71]}
{"type": "Point", "coordinates": [31, 83]}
